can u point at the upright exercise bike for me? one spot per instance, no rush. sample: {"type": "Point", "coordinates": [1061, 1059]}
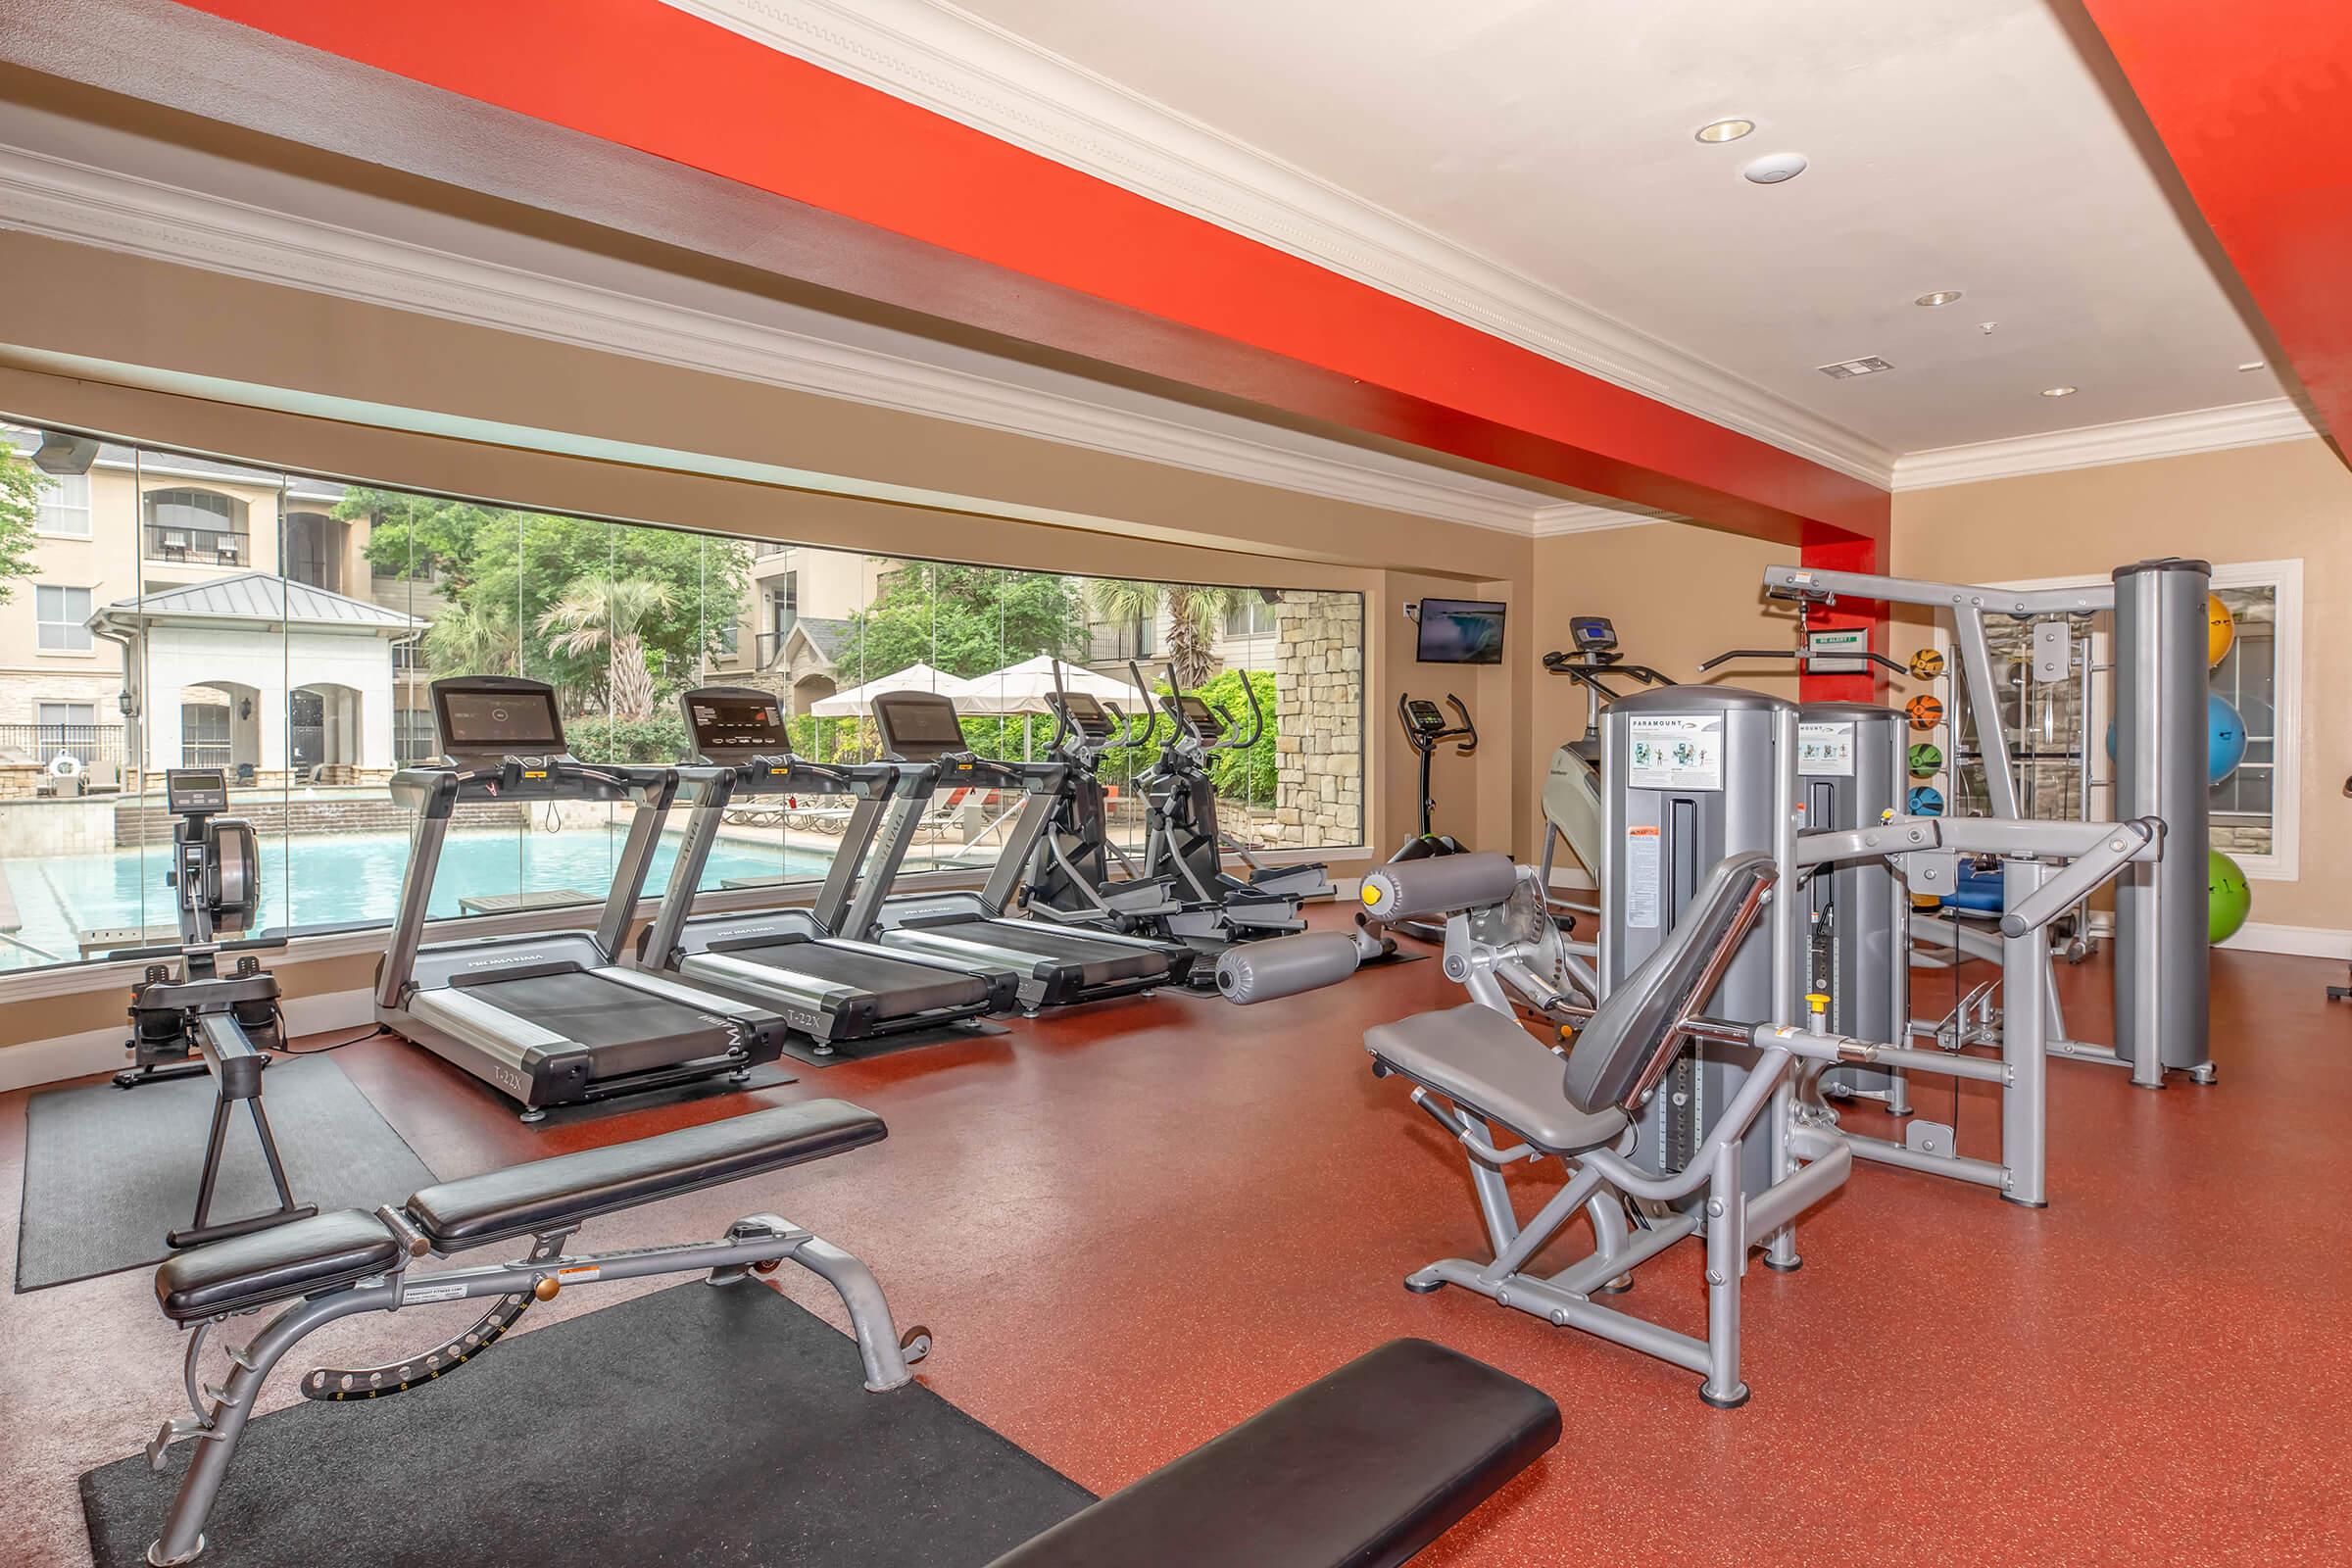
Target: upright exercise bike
{"type": "Point", "coordinates": [1425, 730]}
{"type": "Point", "coordinates": [198, 1020]}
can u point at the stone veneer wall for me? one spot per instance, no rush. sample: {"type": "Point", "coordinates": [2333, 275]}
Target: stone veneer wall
{"type": "Point", "coordinates": [1319, 703]}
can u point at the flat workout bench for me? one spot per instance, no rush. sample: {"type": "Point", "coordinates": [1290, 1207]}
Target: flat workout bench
{"type": "Point", "coordinates": [349, 1261]}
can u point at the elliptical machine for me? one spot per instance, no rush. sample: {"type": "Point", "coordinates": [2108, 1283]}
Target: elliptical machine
{"type": "Point", "coordinates": [1185, 842]}
{"type": "Point", "coordinates": [1071, 876]}
{"type": "Point", "coordinates": [199, 1020]}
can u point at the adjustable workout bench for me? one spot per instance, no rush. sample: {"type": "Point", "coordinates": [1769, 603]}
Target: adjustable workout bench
{"type": "Point", "coordinates": [1360, 1469]}
{"type": "Point", "coordinates": [346, 1262]}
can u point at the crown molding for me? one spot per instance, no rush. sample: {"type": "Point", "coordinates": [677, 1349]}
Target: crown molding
{"type": "Point", "coordinates": [85, 205]}
{"type": "Point", "coordinates": [2167, 435]}
{"type": "Point", "coordinates": [931, 54]}
{"type": "Point", "coordinates": [1577, 517]}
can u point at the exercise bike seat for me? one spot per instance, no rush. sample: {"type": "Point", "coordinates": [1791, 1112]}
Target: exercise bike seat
{"type": "Point", "coordinates": [1487, 1063]}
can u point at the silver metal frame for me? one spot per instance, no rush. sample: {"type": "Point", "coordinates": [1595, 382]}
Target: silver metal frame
{"type": "Point", "coordinates": [757, 1242]}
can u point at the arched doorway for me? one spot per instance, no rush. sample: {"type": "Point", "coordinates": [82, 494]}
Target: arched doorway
{"type": "Point", "coordinates": [322, 727]}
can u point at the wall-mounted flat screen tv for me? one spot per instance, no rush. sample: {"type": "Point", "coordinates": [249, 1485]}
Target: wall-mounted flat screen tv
{"type": "Point", "coordinates": [1461, 631]}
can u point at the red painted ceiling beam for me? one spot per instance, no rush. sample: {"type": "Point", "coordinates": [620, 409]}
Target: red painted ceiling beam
{"type": "Point", "coordinates": [1055, 245]}
{"type": "Point", "coordinates": [2252, 100]}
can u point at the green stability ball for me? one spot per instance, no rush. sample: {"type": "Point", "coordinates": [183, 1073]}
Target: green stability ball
{"type": "Point", "coordinates": [2228, 899]}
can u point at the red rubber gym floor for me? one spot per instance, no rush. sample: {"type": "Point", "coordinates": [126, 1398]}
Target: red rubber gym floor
{"type": "Point", "coordinates": [1132, 1226]}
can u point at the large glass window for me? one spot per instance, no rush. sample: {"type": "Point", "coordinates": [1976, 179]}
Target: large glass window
{"type": "Point", "coordinates": [304, 673]}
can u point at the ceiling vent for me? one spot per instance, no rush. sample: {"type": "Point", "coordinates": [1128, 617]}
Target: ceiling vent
{"type": "Point", "coordinates": [1848, 370]}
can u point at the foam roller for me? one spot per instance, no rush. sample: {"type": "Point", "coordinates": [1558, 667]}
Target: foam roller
{"type": "Point", "coordinates": [1284, 966]}
{"type": "Point", "coordinates": [1439, 885]}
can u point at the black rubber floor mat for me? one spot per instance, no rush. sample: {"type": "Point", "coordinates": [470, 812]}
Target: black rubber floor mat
{"type": "Point", "coordinates": [108, 1170]}
{"type": "Point", "coordinates": [693, 1427]}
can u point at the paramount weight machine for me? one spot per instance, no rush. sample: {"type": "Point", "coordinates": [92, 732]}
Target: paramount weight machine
{"type": "Point", "coordinates": [2162, 1002]}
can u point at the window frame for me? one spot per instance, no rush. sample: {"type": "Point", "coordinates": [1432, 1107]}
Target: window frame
{"type": "Point", "coordinates": [80, 624]}
{"type": "Point", "coordinates": [42, 508]}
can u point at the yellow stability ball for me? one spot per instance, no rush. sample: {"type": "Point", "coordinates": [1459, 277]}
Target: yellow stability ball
{"type": "Point", "coordinates": [2220, 630]}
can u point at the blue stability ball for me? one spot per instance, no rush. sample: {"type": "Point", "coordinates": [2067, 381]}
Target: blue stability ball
{"type": "Point", "coordinates": [2225, 739]}
{"type": "Point", "coordinates": [1925, 800]}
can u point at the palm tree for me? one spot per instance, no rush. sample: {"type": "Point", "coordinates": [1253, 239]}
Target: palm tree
{"type": "Point", "coordinates": [1193, 614]}
{"type": "Point", "coordinates": [610, 617]}
{"type": "Point", "coordinates": [473, 639]}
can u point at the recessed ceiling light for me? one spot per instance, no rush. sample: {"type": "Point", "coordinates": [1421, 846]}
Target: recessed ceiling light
{"type": "Point", "coordinates": [1774, 168]}
{"type": "Point", "coordinates": [1943, 296]}
{"type": "Point", "coordinates": [1725, 130]}
{"type": "Point", "coordinates": [1848, 370]}
{"type": "Point", "coordinates": [2253, 365]}
{"type": "Point", "coordinates": [2059, 391]}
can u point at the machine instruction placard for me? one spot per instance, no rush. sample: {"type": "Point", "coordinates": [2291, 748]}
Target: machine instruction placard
{"type": "Point", "coordinates": [1826, 749]}
{"type": "Point", "coordinates": [1677, 754]}
{"type": "Point", "coordinates": [1642, 901]}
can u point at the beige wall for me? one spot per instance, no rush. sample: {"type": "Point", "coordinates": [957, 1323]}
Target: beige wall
{"type": "Point", "coordinates": [2287, 500]}
{"type": "Point", "coordinates": [1679, 594]}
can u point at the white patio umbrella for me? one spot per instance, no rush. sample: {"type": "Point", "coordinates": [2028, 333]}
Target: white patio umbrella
{"type": "Point", "coordinates": [859, 700]}
{"type": "Point", "coordinates": [1023, 688]}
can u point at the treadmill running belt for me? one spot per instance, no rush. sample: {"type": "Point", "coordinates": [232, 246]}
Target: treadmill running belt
{"type": "Point", "coordinates": [903, 990]}
{"type": "Point", "coordinates": [629, 1030]}
{"type": "Point", "coordinates": [1101, 961]}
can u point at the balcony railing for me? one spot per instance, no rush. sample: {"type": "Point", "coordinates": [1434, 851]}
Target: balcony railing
{"type": "Point", "coordinates": [202, 547]}
{"type": "Point", "coordinates": [44, 742]}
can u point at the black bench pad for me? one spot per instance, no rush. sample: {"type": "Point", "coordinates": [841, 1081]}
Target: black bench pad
{"type": "Point", "coordinates": [550, 1194]}
{"type": "Point", "coordinates": [299, 1258]}
{"type": "Point", "coordinates": [1359, 1469]}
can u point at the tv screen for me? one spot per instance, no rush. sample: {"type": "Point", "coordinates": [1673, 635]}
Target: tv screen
{"type": "Point", "coordinates": [1460, 631]}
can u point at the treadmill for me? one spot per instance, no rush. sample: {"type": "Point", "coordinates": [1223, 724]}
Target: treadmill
{"type": "Point", "coordinates": [829, 989]}
{"type": "Point", "coordinates": [1057, 966]}
{"type": "Point", "coordinates": [547, 1018]}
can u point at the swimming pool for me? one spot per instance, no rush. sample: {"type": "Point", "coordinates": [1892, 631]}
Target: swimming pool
{"type": "Point", "coordinates": [330, 879]}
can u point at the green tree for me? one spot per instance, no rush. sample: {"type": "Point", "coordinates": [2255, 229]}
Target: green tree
{"type": "Point", "coordinates": [506, 573]}
{"type": "Point", "coordinates": [965, 620]}
{"type": "Point", "coordinates": [1193, 612]}
{"type": "Point", "coordinates": [21, 486]}
{"type": "Point", "coordinates": [609, 623]}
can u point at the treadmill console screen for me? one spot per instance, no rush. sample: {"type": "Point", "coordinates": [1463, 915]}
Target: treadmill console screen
{"type": "Point", "coordinates": [737, 724]}
{"type": "Point", "coordinates": [1087, 716]}
{"type": "Point", "coordinates": [1423, 715]}
{"type": "Point", "coordinates": [475, 720]}
{"type": "Point", "coordinates": [1200, 717]}
{"type": "Point", "coordinates": [918, 724]}
{"type": "Point", "coordinates": [190, 791]}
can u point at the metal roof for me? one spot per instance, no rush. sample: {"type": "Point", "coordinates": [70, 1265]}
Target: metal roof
{"type": "Point", "coordinates": [260, 596]}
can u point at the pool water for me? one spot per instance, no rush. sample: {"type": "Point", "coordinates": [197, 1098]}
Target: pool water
{"type": "Point", "coordinates": [330, 879]}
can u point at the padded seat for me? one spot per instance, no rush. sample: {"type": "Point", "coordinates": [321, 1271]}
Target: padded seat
{"type": "Point", "coordinates": [1359, 1469]}
{"type": "Point", "coordinates": [1487, 1063]}
{"type": "Point", "coordinates": [299, 1258]}
{"type": "Point", "coordinates": [548, 1193]}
